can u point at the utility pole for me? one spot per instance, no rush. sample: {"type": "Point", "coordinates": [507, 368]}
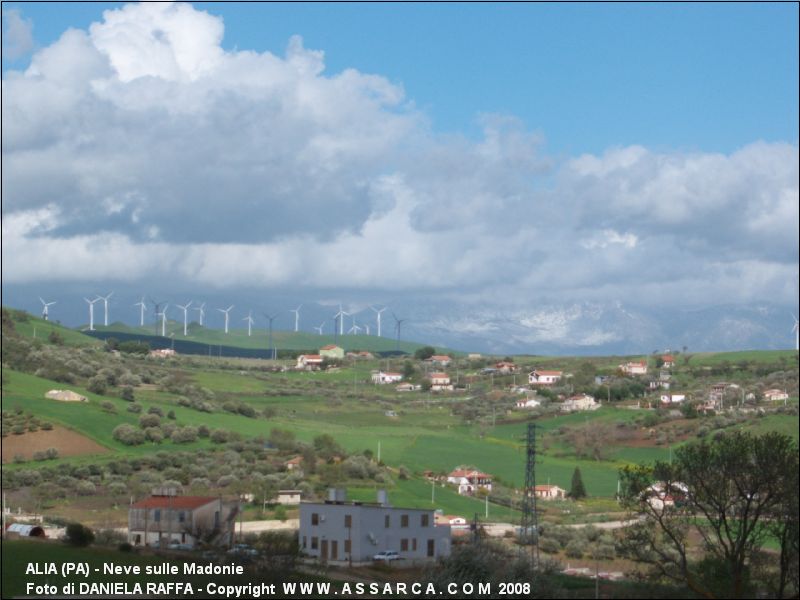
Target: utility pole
{"type": "Point", "coordinates": [529, 526]}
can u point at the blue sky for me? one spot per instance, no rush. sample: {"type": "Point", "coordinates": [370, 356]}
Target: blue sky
{"type": "Point", "coordinates": [503, 155]}
{"type": "Point", "coordinates": [708, 77]}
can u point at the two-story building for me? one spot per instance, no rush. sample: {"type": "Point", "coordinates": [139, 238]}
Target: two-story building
{"type": "Point", "coordinates": [439, 359]}
{"type": "Point", "coordinates": [164, 518]}
{"type": "Point", "coordinates": [634, 367]}
{"type": "Point", "coordinates": [470, 481]}
{"type": "Point", "coordinates": [440, 382]}
{"type": "Point", "coordinates": [543, 377]}
{"type": "Point", "coordinates": [341, 532]}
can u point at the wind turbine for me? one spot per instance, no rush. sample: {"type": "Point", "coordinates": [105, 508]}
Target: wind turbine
{"type": "Point", "coordinates": [45, 312]}
{"type": "Point", "coordinates": [296, 312]}
{"type": "Point", "coordinates": [319, 329]}
{"type": "Point", "coordinates": [339, 316]}
{"type": "Point", "coordinates": [105, 305]}
{"type": "Point", "coordinates": [156, 311]}
{"type": "Point", "coordinates": [185, 309]}
{"type": "Point", "coordinates": [355, 328]}
{"type": "Point", "coordinates": [378, 313]}
{"type": "Point", "coordinates": [398, 324]}
{"type": "Point", "coordinates": [226, 311]}
{"type": "Point", "coordinates": [796, 331]}
{"type": "Point", "coordinates": [163, 315]}
{"type": "Point", "coordinates": [141, 306]}
{"type": "Point", "coordinates": [250, 321]}
{"type": "Point", "coordinates": [91, 311]}
{"type": "Point", "coordinates": [271, 318]}
{"type": "Point", "coordinates": [202, 310]}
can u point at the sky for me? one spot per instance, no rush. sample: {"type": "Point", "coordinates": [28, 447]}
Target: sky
{"type": "Point", "coordinates": [493, 153]}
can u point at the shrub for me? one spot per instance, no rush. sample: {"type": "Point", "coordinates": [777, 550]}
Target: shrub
{"type": "Point", "coordinates": [125, 547]}
{"type": "Point", "coordinates": [203, 431]}
{"type": "Point", "coordinates": [55, 338]}
{"type": "Point", "coordinates": [108, 406]}
{"type": "Point", "coordinates": [154, 434]}
{"type": "Point", "coordinates": [280, 512]}
{"type": "Point", "coordinates": [171, 415]}
{"type": "Point", "coordinates": [128, 435]}
{"type": "Point", "coordinates": [135, 408]}
{"type": "Point", "coordinates": [184, 435]}
{"type": "Point", "coordinates": [574, 549]}
{"type": "Point", "coordinates": [85, 488]}
{"type": "Point", "coordinates": [51, 453]}
{"type": "Point", "coordinates": [47, 426]}
{"type": "Point", "coordinates": [219, 436]}
{"type": "Point", "coordinates": [78, 535]}
{"type": "Point", "coordinates": [549, 545]}
{"type": "Point", "coordinates": [126, 394]}
{"type": "Point", "coordinates": [97, 384]}
{"type": "Point", "coordinates": [155, 410]}
{"type": "Point", "coordinates": [109, 537]}
{"type": "Point", "coordinates": [39, 455]}
{"type": "Point", "coordinates": [149, 420]}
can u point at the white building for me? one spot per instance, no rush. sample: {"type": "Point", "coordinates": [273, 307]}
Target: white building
{"type": "Point", "coordinates": [161, 519]}
{"type": "Point", "coordinates": [775, 395]}
{"type": "Point", "coordinates": [528, 403]}
{"type": "Point", "coordinates": [470, 481]}
{"type": "Point", "coordinates": [440, 382]}
{"type": "Point", "coordinates": [672, 398]}
{"type": "Point", "coordinates": [580, 402]}
{"type": "Point", "coordinates": [549, 492]}
{"type": "Point", "coordinates": [542, 377]}
{"type": "Point", "coordinates": [634, 367]}
{"type": "Point", "coordinates": [309, 361]}
{"type": "Point", "coordinates": [341, 532]}
{"type": "Point", "coordinates": [289, 497]}
{"type": "Point", "coordinates": [381, 377]}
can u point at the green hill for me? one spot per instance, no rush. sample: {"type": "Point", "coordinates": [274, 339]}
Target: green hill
{"type": "Point", "coordinates": [29, 326]}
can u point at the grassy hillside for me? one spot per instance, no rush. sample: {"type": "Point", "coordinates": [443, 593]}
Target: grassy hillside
{"type": "Point", "coordinates": [34, 327]}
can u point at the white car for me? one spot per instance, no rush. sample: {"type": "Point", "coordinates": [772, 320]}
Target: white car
{"type": "Point", "coordinates": [386, 556]}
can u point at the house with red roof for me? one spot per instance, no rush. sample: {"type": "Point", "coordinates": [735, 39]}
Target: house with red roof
{"type": "Point", "coordinates": [309, 362]}
{"type": "Point", "coordinates": [470, 481]}
{"type": "Point", "coordinates": [669, 361]}
{"type": "Point", "coordinates": [331, 351]}
{"type": "Point", "coordinates": [543, 377]}
{"type": "Point", "coordinates": [634, 367]}
{"type": "Point", "coordinates": [440, 382]}
{"type": "Point", "coordinates": [439, 359]}
{"type": "Point", "coordinates": [165, 518]}
{"type": "Point", "coordinates": [549, 492]}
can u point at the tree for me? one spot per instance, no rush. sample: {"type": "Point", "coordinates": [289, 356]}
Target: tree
{"type": "Point", "coordinates": [79, 535]}
{"type": "Point", "coordinates": [577, 489]}
{"type": "Point", "coordinates": [424, 352]}
{"type": "Point", "coordinates": [731, 493]}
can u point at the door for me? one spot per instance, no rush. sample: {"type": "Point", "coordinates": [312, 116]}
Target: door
{"type": "Point", "coordinates": [334, 550]}
{"type": "Point", "coordinates": [324, 551]}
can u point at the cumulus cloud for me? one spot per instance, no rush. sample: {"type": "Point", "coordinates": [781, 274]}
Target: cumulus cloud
{"type": "Point", "coordinates": [142, 149]}
{"type": "Point", "coordinates": [17, 34]}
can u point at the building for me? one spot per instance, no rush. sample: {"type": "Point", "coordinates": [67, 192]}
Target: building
{"type": "Point", "coordinates": [672, 398]}
{"type": "Point", "coordinates": [668, 361]}
{"type": "Point", "coordinates": [294, 463]}
{"type": "Point", "coordinates": [634, 367]}
{"type": "Point", "coordinates": [439, 359]}
{"type": "Point", "coordinates": [542, 377]}
{"type": "Point", "coordinates": [408, 387]}
{"type": "Point", "coordinates": [506, 367]}
{"type": "Point", "coordinates": [331, 351]}
{"type": "Point", "coordinates": [161, 519]}
{"type": "Point", "coordinates": [309, 362]}
{"type": "Point", "coordinates": [24, 530]}
{"type": "Point", "coordinates": [470, 481]}
{"type": "Point", "coordinates": [289, 497]}
{"type": "Point", "coordinates": [549, 492]}
{"type": "Point", "coordinates": [775, 395]}
{"type": "Point", "coordinates": [528, 403]}
{"type": "Point", "coordinates": [341, 532]}
{"type": "Point", "coordinates": [440, 382]}
{"type": "Point", "coordinates": [579, 402]}
{"type": "Point", "coordinates": [380, 377]}
{"type": "Point", "coordinates": [453, 521]}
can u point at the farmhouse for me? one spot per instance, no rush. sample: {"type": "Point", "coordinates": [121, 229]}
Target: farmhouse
{"type": "Point", "coordinates": [294, 463]}
{"type": "Point", "coordinates": [162, 353]}
{"type": "Point", "coordinates": [470, 481]}
{"type": "Point", "coordinates": [309, 362]}
{"type": "Point", "coordinates": [661, 495]}
{"type": "Point", "coordinates": [380, 377]}
{"type": "Point", "coordinates": [440, 382]}
{"type": "Point", "coordinates": [668, 361]}
{"type": "Point", "coordinates": [775, 395]}
{"type": "Point", "coordinates": [439, 359]}
{"type": "Point", "coordinates": [579, 402]}
{"type": "Point", "coordinates": [672, 398]}
{"type": "Point", "coordinates": [289, 497]}
{"type": "Point", "coordinates": [542, 377]}
{"type": "Point", "coordinates": [341, 532]}
{"type": "Point", "coordinates": [634, 367]}
{"type": "Point", "coordinates": [161, 519]}
{"type": "Point", "coordinates": [506, 367]}
{"type": "Point", "coordinates": [408, 387]}
{"type": "Point", "coordinates": [528, 403]}
{"type": "Point", "coordinates": [331, 351]}
{"type": "Point", "coordinates": [549, 492]}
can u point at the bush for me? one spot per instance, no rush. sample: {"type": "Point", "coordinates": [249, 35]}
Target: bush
{"type": "Point", "coordinates": [135, 408]}
{"type": "Point", "coordinates": [109, 537]}
{"type": "Point", "coordinates": [85, 488]}
{"type": "Point", "coordinates": [126, 394]}
{"type": "Point", "coordinates": [171, 415]}
{"type": "Point", "coordinates": [78, 535]}
{"type": "Point", "coordinates": [574, 549]}
{"type": "Point", "coordinates": [108, 406]}
{"type": "Point", "coordinates": [149, 420]}
{"type": "Point", "coordinates": [128, 435]}
{"type": "Point", "coordinates": [97, 384]}
{"type": "Point", "coordinates": [125, 547]}
{"type": "Point", "coordinates": [219, 436]}
{"type": "Point", "coordinates": [184, 435]}
{"type": "Point", "coordinates": [51, 453]}
{"type": "Point", "coordinates": [55, 338]}
{"type": "Point", "coordinates": [280, 512]}
{"type": "Point", "coordinates": [549, 545]}
{"type": "Point", "coordinates": [47, 426]}
{"type": "Point", "coordinates": [155, 410]}
{"type": "Point", "coordinates": [154, 434]}
{"type": "Point", "coordinates": [203, 431]}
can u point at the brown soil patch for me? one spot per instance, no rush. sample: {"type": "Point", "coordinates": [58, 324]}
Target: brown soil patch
{"type": "Point", "coordinates": [643, 438]}
{"type": "Point", "coordinates": [67, 442]}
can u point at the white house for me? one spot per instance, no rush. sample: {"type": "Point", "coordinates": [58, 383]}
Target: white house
{"type": "Point", "coordinates": [549, 492]}
{"type": "Point", "coordinates": [440, 382]}
{"type": "Point", "coordinates": [470, 481]}
{"type": "Point", "coordinates": [579, 402]}
{"type": "Point", "coordinates": [506, 367]}
{"type": "Point", "coordinates": [542, 377]}
{"type": "Point", "coordinates": [309, 362]}
{"type": "Point", "coordinates": [661, 495]}
{"type": "Point", "coordinates": [775, 395]}
{"type": "Point", "coordinates": [668, 360]}
{"type": "Point", "coordinates": [162, 353]}
{"type": "Point", "coordinates": [289, 497]}
{"type": "Point", "coordinates": [380, 377]}
{"type": "Point", "coordinates": [672, 398]}
{"type": "Point", "coordinates": [408, 387]}
{"type": "Point", "coordinates": [634, 367]}
{"type": "Point", "coordinates": [454, 521]}
{"type": "Point", "coordinates": [528, 403]}
{"type": "Point", "coordinates": [440, 359]}
{"type": "Point", "coordinates": [341, 532]}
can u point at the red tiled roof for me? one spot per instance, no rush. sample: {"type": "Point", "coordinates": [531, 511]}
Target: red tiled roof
{"type": "Point", "coordinates": [189, 502]}
{"type": "Point", "coordinates": [440, 357]}
{"type": "Point", "coordinates": [312, 356]}
{"type": "Point", "coordinates": [329, 347]}
{"type": "Point", "coordinates": [668, 358]}
{"type": "Point", "coordinates": [542, 372]}
{"type": "Point", "coordinates": [468, 473]}
{"type": "Point", "coordinates": [438, 376]}
{"type": "Point", "coordinates": [545, 488]}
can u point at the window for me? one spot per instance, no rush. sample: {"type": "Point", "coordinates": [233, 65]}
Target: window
{"type": "Point", "coordinates": [424, 520]}
{"type": "Point", "coordinates": [347, 546]}
{"type": "Point", "coordinates": [387, 521]}
{"type": "Point", "coordinates": [348, 521]}
{"type": "Point", "coordinates": [304, 543]}
{"type": "Point", "coordinates": [314, 543]}
{"type": "Point", "coordinates": [181, 517]}
{"type": "Point", "coordinates": [314, 518]}
{"type": "Point", "coordinates": [414, 544]}
{"type": "Point", "coordinates": [403, 520]}
{"type": "Point", "coordinates": [157, 515]}
{"type": "Point", "coordinates": [404, 545]}
{"type": "Point", "coordinates": [430, 547]}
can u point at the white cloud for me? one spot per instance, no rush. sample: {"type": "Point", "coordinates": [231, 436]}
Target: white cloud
{"type": "Point", "coordinates": [17, 34]}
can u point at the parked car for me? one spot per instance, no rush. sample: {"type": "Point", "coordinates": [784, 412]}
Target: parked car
{"type": "Point", "coordinates": [386, 556]}
{"type": "Point", "coordinates": [243, 550]}
{"type": "Point", "coordinates": [176, 545]}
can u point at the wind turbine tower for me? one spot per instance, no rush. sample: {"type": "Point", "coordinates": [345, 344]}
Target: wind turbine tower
{"type": "Point", "coordinates": [105, 306]}
{"type": "Point", "coordinates": [296, 312]}
{"type": "Point", "coordinates": [319, 329]}
{"type": "Point", "coordinates": [250, 321]}
{"type": "Point", "coordinates": [185, 309]}
{"type": "Point", "coordinates": [378, 314]}
{"type": "Point", "coordinates": [202, 311]}
{"type": "Point", "coordinates": [141, 306]}
{"type": "Point", "coordinates": [163, 315]}
{"type": "Point", "coordinates": [355, 328]}
{"type": "Point", "coordinates": [796, 331]}
{"type": "Point", "coordinates": [226, 311]}
{"type": "Point", "coordinates": [91, 311]}
{"type": "Point", "coordinates": [45, 305]}
{"type": "Point", "coordinates": [398, 325]}
{"type": "Point", "coordinates": [271, 318]}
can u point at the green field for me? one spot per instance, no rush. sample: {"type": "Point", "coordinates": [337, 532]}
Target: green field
{"type": "Point", "coordinates": [34, 327]}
